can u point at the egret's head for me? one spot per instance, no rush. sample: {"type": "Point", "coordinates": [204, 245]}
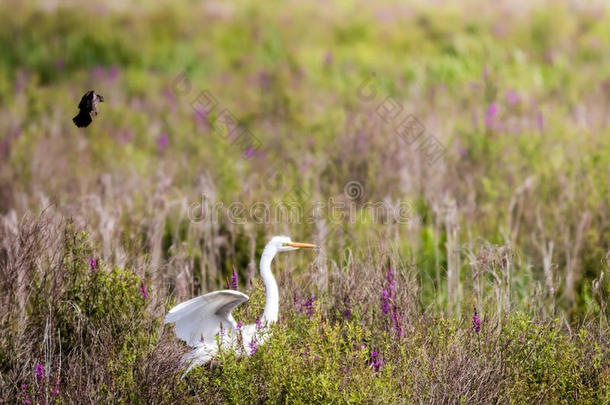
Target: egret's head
{"type": "Point", "coordinates": [284, 244]}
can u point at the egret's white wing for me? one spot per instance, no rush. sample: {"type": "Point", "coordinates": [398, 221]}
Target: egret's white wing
{"type": "Point", "coordinates": [201, 317]}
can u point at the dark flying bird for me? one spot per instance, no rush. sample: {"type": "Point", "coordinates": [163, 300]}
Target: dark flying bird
{"type": "Point", "coordinates": [88, 108]}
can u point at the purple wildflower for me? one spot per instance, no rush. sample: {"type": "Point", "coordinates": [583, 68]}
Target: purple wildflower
{"type": "Point", "coordinates": [389, 275]}
{"type": "Point", "coordinates": [385, 301]}
{"type": "Point", "coordinates": [258, 324]}
{"type": "Point", "coordinates": [296, 302]}
{"type": "Point", "coordinates": [143, 290]}
{"type": "Point", "coordinates": [25, 394]}
{"type": "Point", "coordinates": [391, 282]}
{"type": "Point", "coordinates": [98, 72]}
{"type": "Point", "coordinates": [348, 308]}
{"type": "Point", "coordinates": [512, 97]}
{"type": "Point", "coordinates": [201, 117]}
{"type": "Point", "coordinates": [309, 306]}
{"type": "Point", "coordinates": [232, 285]}
{"type": "Point", "coordinates": [249, 152]}
{"type": "Point", "coordinates": [476, 321]}
{"type": "Point", "coordinates": [387, 294]}
{"type": "Point", "coordinates": [239, 324]}
{"type": "Point", "coordinates": [92, 263]}
{"type": "Point", "coordinates": [234, 280]}
{"type": "Point", "coordinates": [253, 346]}
{"type": "Point", "coordinates": [169, 95]}
{"type": "Point", "coordinates": [113, 73]}
{"type": "Point", "coordinates": [375, 361]}
{"type": "Point", "coordinates": [125, 136]}
{"type": "Point", "coordinates": [163, 141]}
{"type": "Point", "coordinates": [39, 370]}
{"type": "Point", "coordinates": [490, 114]}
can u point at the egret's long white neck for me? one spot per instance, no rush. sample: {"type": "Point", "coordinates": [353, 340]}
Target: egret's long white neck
{"type": "Point", "coordinates": [272, 302]}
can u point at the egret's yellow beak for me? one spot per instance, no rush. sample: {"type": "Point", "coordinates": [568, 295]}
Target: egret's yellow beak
{"type": "Point", "coordinates": [300, 245]}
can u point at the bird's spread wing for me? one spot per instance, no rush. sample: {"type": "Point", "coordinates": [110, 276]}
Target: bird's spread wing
{"type": "Point", "coordinates": [83, 119]}
{"type": "Point", "coordinates": [201, 317]}
{"type": "Point", "coordinates": [85, 102]}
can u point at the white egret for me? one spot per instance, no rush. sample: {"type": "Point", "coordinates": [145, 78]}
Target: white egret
{"type": "Point", "coordinates": [199, 321]}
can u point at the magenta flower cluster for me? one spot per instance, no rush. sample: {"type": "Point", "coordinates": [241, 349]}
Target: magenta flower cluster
{"type": "Point", "coordinates": [40, 373]}
{"type": "Point", "coordinates": [233, 283]}
{"type": "Point", "coordinates": [253, 346]}
{"type": "Point", "coordinates": [26, 396]}
{"type": "Point", "coordinates": [476, 321]}
{"type": "Point", "coordinates": [375, 361]}
{"type": "Point", "coordinates": [308, 306]}
{"type": "Point", "coordinates": [387, 294]}
{"type": "Point", "coordinates": [490, 114]}
{"type": "Point", "coordinates": [385, 301]}
{"type": "Point", "coordinates": [143, 290]}
{"type": "Point", "coordinates": [163, 141]}
{"type": "Point", "coordinates": [297, 304]}
{"type": "Point", "coordinates": [92, 263]}
{"type": "Point", "coordinates": [39, 370]}
{"type": "Point", "coordinates": [110, 74]}
{"type": "Point", "coordinates": [388, 305]}
{"type": "Point", "coordinates": [348, 308]}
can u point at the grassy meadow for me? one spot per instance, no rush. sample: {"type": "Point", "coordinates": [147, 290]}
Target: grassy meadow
{"type": "Point", "coordinates": [452, 161]}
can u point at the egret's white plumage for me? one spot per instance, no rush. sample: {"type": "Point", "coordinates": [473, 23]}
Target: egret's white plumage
{"type": "Point", "coordinates": [206, 323]}
{"type": "Point", "coordinates": [198, 320]}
